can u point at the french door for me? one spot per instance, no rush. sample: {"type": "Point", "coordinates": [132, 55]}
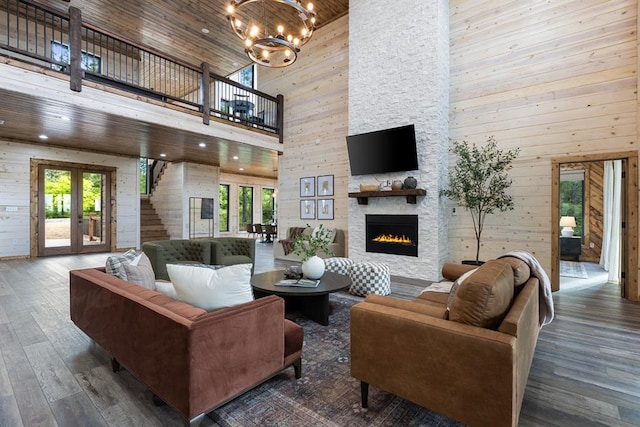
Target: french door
{"type": "Point", "coordinates": [73, 210]}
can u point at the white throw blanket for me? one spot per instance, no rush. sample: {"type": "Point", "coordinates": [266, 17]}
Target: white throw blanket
{"type": "Point", "coordinates": [546, 299]}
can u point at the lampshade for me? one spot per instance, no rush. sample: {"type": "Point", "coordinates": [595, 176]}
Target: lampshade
{"type": "Point", "coordinates": [567, 221]}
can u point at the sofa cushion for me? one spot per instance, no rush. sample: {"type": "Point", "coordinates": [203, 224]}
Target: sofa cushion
{"type": "Point", "coordinates": [485, 297]}
{"type": "Point", "coordinates": [212, 289]}
{"type": "Point", "coordinates": [115, 263]}
{"type": "Point", "coordinates": [456, 284]}
{"type": "Point", "coordinates": [140, 271]}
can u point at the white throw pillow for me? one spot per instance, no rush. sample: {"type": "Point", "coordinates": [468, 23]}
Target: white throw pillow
{"type": "Point", "coordinates": [166, 288]}
{"type": "Point", "coordinates": [140, 271]}
{"type": "Point", "coordinates": [212, 289]}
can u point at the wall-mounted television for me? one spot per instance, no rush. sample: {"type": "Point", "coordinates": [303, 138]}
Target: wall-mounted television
{"type": "Point", "coordinates": [383, 151]}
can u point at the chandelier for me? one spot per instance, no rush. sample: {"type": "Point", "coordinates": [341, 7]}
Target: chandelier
{"type": "Point", "coordinates": [272, 45]}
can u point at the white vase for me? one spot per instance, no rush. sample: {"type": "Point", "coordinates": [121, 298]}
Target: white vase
{"type": "Point", "coordinates": [313, 268]}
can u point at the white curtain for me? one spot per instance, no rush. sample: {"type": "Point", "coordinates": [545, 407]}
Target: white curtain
{"type": "Point", "coordinates": [611, 241]}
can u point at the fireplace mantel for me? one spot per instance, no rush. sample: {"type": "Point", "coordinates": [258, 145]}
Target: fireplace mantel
{"type": "Point", "coordinates": [410, 194]}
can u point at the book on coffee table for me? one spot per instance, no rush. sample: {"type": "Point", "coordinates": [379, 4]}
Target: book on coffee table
{"type": "Point", "coordinates": [301, 283]}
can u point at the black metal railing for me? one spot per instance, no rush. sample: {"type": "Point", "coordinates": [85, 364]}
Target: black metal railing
{"type": "Point", "coordinates": [35, 34]}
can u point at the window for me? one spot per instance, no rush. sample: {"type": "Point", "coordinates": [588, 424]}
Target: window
{"type": "Point", "coordinates": [245, 76]}
{"type": "Point", "coordinates": [144, 175]}
{"type": "Point", "coordinates": [572, 198]}
{"type": "Point", "coordinates": [268, 206]}
{"type": "Point", "coordinates": [60, 53]}
{"type": "Point", "coordinates": [245, 207]}
{"type": "Point", "coordinates": [223, 215]}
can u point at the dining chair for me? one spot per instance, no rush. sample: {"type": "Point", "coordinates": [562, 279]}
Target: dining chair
{"type": "Point", "coordinates": [270, 232]}
{"type": "Point", "coordinates": [251, 230]}
{"type": "Point", "coordinates": [259, 231]}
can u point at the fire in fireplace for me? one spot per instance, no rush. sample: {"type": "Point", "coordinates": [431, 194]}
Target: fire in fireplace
{"type": "Point", "coordinates": [392, 234]}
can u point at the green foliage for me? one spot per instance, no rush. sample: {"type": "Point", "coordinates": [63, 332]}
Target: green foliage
{"type": "Point", "coordinates": [572, 203]}
{"type": "Point", "coordinates": [144, 174]}
{"type": "Point", "coordinates": [307, 245]}
{"type": "Point", "coordinates": [223, 215]}
{"type": "Point", "coordinates": [268, 205]}
{"type": "Point", "coordinates": [479, 181]}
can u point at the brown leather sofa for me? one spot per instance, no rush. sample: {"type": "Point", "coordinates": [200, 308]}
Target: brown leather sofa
{"type": "Point", "coordinates": [469, 362]}
{"type": "Point", "coordinates": [191, 359]}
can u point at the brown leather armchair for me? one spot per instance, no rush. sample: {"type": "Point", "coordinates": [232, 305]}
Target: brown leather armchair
{"type": "Point", "coordinates": [476, 375]}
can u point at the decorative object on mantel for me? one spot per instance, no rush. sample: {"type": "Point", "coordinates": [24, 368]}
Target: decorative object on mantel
{"type": "Point", "coordinates": [369, 187]}
{"type": "Point", "coordinates": [567, 223]}
{"type": "Point", "coordinates": [479, 181]}
{"type": "Point", "coordinates": [410, 183]}
{"type": "Point", "coordinates": [269, 46]}
{"type": "Point", "coordinates": [308, 245]}
{"type": "Point", "coordinates": [397, 185]}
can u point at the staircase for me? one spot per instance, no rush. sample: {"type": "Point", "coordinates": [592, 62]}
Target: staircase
{"type": "Point", "coordinates": [151, 227]}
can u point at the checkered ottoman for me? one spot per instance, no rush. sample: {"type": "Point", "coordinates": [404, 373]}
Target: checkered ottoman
{"type": "Point", "coordinates": [370, 278]}
{"type": "Point", "coordinates": [338, 265]}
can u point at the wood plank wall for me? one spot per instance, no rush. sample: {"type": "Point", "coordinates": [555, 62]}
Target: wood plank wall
{"type": "Point", "coordinates": [556, 79]}
{"type": "Point", "coordinates": [315, 89]}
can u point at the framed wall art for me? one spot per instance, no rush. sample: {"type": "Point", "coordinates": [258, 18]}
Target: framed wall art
{"type": "Point", "coordinates": [325, 208]}
{"type": "Point", "coordinates": [325, 185]}
{"type": "Point", "coordinates": [307, 209]}
{"type": "Point", "coordinates": [308, 186]}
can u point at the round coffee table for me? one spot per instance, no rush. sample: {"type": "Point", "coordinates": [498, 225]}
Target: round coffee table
{"type": "Point", "coordinates": [312, 302]}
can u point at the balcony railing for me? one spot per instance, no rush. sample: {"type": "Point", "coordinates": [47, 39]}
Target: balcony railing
{"type": "Point", "coordinates": [35, 34]}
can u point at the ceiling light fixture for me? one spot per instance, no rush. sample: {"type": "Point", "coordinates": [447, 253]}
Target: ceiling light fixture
{"type": "Point", "coordinates": [270, 46]}
{"type": "Point", "coordinates": [202, 144]}
{"type": "Point", "coordinates": [43, 137]}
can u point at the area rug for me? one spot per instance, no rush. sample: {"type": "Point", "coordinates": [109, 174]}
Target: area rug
{"type": "Point", "coordinates": [326, 395]}
{"type": "Point", "coordinates": [573, 269]}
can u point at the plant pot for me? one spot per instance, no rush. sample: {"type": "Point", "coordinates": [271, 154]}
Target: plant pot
{"type": "Point", "coordinates": [313, 268]}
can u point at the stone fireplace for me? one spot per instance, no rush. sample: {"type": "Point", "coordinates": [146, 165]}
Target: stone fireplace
{"type": "Point", "coordinates": [392, 234]}
{"type": "Point", "coordinates": [381, 98]}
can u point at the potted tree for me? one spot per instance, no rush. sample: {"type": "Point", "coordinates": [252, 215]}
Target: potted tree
{"type": "Point", "coordinates": [308, 245]}
{"type": "Point", "coordinates": [479, 181]}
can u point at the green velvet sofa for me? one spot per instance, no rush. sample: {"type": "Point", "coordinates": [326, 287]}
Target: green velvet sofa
{"type": "Point", "coordinates": [216, 251]}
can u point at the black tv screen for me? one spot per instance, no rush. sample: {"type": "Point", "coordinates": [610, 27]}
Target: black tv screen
{"type": "Point", "coordinates": [383, 151]}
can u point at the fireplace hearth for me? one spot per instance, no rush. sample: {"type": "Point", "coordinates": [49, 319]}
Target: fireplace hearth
{"type": "Point", "coordinates": [392, 234]}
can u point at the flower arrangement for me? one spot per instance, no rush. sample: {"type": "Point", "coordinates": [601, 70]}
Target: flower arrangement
{"type": "Point", "coordinates": [307, 245]}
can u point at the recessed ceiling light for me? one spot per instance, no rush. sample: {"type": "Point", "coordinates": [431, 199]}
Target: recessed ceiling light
{"type": "Point", "coordinates": [65, 118]}
{"type": "Point", "coordinates": [241, 169]}
{"type": "Point", "coordinates": [205, 30]}
{"type": "Point", "coordinates": [235, 157]}
{"type": "Point", "coordinates": [1, 122]}
{"type": "Point", "coordinates": [163, 155]}
{"type": "Point", "coordinates": [43, 137]}
{"type": "Point", "coordinates": [202, 144]}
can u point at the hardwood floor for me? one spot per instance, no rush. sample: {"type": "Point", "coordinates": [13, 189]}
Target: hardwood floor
{"type": "Point", "coordinates": [586, 369]}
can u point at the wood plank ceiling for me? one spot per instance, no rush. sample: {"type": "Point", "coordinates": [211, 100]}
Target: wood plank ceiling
{"type": "Point", "coordinates": [168, 26]}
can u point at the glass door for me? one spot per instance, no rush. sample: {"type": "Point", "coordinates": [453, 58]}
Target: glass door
{"type": "Point", "coordinates": [73, 214]}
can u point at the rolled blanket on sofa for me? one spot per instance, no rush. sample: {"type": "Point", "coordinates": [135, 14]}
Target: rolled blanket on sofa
{"type": "Point", "coordinates": [546, 299]}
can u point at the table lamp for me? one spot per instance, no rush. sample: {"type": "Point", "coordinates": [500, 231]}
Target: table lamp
{"type": "Point", "coordinates": [567, 223]}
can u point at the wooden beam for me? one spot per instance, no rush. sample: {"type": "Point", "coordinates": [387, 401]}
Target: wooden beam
{"type": "Point", "coordinates": [75, 47]}
{"type": "Point", "coordinates": [205, 86]}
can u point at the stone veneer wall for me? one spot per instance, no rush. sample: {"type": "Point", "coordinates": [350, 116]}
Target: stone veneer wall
{"type": "Point", "coordinates": [398, 75]}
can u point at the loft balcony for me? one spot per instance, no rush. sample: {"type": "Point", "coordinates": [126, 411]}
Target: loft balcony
{"type": "Point", "coordinates": [85, 57]}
